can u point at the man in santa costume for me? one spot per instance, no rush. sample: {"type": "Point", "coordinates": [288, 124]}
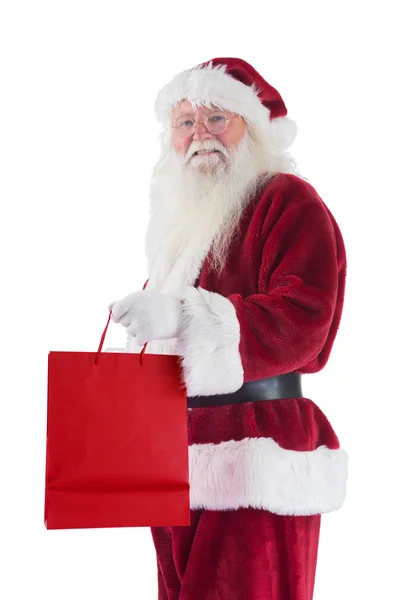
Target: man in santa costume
{"type": "Point", "coordinates": [246, 284]}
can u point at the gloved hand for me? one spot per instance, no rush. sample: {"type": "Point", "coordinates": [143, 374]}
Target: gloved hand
{"type": "Point", "coordinates": [148, 316]}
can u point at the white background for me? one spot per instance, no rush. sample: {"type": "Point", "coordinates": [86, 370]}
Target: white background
{"type": "Point", "coordinates": [78, 141]}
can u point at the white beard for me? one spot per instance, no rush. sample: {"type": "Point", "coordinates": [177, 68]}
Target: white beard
{"type": "Point", "coordinates": [195, 209]}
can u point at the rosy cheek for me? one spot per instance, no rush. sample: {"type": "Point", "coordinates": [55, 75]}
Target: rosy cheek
{"type": "Point", "coordinates": [179, 144]}
{"type": "Point", "coordinates": [231, 138]}
{"type": "Point", "coordinates": [185, 145]}
{"type": "Point", "coordinates": [226, 139]}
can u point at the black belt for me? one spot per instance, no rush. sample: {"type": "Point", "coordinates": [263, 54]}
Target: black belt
{"type": "Point", "coordinates": [272, 388]}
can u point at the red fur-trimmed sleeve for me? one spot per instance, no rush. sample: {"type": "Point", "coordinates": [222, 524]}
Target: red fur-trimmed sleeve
{"type": "Point", "coordinates": [290, 325]}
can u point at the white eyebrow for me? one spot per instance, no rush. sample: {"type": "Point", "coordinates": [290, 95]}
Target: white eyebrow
{"type": "Point", "coordinates": [184, 114]}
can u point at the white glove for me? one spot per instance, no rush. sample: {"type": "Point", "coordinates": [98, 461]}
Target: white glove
{"type": "Point", "coordinates": [148, 316]}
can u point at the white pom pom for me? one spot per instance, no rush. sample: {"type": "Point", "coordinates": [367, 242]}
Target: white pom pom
{"type": "Point", "coordinates": [284, 132]}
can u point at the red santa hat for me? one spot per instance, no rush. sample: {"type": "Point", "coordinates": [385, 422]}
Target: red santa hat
{"type": "Point", "coordinates": [231, 84]}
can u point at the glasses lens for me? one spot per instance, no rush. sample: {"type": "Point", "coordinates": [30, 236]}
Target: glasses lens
{"type": "Point", "coordinates": [216, 123]}
{"type": "Point", "coordinates": [185, 127]}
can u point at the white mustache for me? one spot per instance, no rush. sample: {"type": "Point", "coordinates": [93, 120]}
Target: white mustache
{"type": "Point", "coordinates": [210, 145]}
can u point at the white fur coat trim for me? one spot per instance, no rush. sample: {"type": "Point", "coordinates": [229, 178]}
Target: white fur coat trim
{"type": "Point", "coordinates": [258, 473]}
{"type": "Point", "coordinates": [208, 342]}
{"type": "Point", "coordinates": [211, 85]}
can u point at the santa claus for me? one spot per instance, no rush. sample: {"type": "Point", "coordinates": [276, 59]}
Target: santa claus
{"type": "Point", "coordinates": [246, 284]}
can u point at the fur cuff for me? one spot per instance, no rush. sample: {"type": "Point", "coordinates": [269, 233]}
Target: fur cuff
{"type": "Point", "coordinates": [208, 342]}
{"type": "Point", "coordinates": [258, 473]}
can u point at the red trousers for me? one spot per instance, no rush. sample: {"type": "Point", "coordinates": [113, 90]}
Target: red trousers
{"type": "Point", "coordinates": [245, 554]}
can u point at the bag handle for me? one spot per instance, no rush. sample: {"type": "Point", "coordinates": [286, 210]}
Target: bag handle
{"type": "Point", "coordinates": [96, 359]}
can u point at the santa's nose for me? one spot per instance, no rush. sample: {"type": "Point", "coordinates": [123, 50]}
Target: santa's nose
{"type": "Point", "coordinates": [201, 132]}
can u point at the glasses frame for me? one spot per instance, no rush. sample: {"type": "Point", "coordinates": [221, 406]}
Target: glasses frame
{"type": "Point", "coordinates": [227, 121]}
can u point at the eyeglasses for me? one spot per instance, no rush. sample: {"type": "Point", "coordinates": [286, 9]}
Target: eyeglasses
{"type": "Point", "coordinates": [215, 123]}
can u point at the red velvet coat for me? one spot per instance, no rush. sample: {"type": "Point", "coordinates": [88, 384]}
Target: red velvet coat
{"type": "Point", "coordinates": [275, 309]}
{"type": "Point", "coordinates": [286, 279]}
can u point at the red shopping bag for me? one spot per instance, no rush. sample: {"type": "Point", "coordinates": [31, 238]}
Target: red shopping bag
{"type": "Point", "coordinates": [117, 441]}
